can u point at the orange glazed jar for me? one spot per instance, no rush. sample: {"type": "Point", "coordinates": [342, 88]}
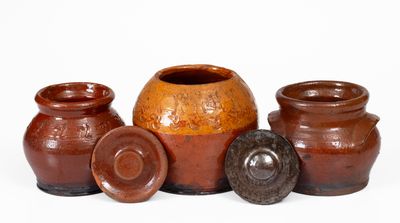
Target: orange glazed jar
{"type": "Point", "coordinates": [196, 111]}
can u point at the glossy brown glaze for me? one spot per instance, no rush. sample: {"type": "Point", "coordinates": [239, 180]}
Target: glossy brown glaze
{"type": "Point", "coordinates": [129, 164]}
{"type": "Point", "coordinates": [59, 141]}
{"type": "Point", "coordinates": [335, 138]}
{"type": "Point", "coordinates": [196, 111]}
{"type": "Point", "coordinates": [196, 162]}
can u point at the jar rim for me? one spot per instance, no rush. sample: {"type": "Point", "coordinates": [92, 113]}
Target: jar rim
{"type": "Point", "coordinates": [74, 96]}
{"type": "Point", "coordinates": [195, 75]}
{"type": "Point", "coordinates": [323, 96]}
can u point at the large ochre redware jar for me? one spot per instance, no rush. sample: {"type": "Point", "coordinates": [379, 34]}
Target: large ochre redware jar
{"type": "Point", "coordinates": [59, 141]}
{"type": "Point", "coordinates": [336, 139]}
{"type": "Point", "coordinates": [196, 111]}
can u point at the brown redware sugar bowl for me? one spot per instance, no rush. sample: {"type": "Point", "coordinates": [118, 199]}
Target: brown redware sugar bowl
{"type": "Point", "coordinates": [335, 138]}
{"type": "Point", "coordinates": [196, 111]}
{"type": "Point", "coordinates": [59, 141]}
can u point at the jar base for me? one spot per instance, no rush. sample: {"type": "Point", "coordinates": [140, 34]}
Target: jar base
{"type": "Point", "coordinates": [330, 189]}
{"type": "Point", "coordinates": [68, 191]}
{"type": "Point", "coordinates": [187, 190]}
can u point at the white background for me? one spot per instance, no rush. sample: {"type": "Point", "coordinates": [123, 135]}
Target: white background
{"type": "Point", "coordinates": [269, 43]}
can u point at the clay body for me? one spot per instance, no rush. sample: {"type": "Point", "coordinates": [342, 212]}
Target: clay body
{"type": "Point", "coordinates": [59, 141]}
{"type": "Point", "coordinates": [196, 111]}
{"type": "Point", "coordinates": [335, 138]}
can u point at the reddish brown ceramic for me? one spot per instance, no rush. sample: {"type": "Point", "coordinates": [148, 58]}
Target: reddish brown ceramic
{"type": "Point", "coordinates": [335, 138]}
{"type": "Point", "coordinates": [196, 111]}
{"type": "Point", "coordinates": [59, 141]}
{"type": "Point", "coordinates": [129, 164]}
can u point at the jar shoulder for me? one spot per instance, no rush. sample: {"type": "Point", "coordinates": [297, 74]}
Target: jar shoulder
{"type": "Point", "coordinates": [52, 133]}
{"type": "Point", "coordinates": [195, 109]}
{"type": "Point", "coordinates": [345, 134]}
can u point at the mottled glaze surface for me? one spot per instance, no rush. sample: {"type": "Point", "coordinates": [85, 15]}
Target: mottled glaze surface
{"type": "Point", "coordinates": [129, 164]}
{"type": "Point", "coordinates": [196, 111]}
{"type": "Point", "coordinates": [59, 141]}
{"type": "Point", "coordinates": [335, 138]}
{"type": "Point", "coordinates": [262, 167]}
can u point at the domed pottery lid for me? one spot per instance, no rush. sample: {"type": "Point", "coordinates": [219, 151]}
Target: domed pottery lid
{"type": "Point", "coordinates": [262, 167]}
{"type": "Point", "coordinates": [129, 164]}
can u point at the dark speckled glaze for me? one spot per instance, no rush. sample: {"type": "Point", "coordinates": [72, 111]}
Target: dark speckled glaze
{"type": "Point", "coordinates": [335, 138]}
{"type": "Point", "coordinates": [262, 167]}
{"type": "Point", "coordinates": [59, 141]}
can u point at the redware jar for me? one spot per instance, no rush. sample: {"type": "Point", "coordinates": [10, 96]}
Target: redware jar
{"type": "Point", "coordinates": [196, 111]}
{"type": "Point", "coordinates": [59, 141]}
{"type": "Point", "coordinates": [336, 139]}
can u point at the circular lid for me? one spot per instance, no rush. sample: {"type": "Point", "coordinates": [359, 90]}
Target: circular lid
{"type": "Point", "coordinates": [262, 167]}
{"type": "Point", "coordinates": [129, 164]}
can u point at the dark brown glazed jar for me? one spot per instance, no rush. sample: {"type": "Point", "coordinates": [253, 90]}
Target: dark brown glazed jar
{"type": "Point", "coordinates": [59, 141]}
{"type": "Point", "coordinates": [196, 111]}
{"type": "Point", "coordinates": [336, 139]}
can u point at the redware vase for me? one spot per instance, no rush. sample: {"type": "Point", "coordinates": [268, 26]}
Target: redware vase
{"type": "Point", "coordinates": [336, 139]}
{"type": "Point", "coordinates": [196, 111]}
{"type": "Point", "coordinates": [59, 141]}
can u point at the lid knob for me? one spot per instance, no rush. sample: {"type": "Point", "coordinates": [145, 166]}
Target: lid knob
{"type": "Point", "coordinates": [128, 164]}
{"type": "Point", "coordinates": [262, 164]}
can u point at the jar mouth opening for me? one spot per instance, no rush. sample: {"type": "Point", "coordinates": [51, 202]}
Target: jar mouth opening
{"type": "Point", "coordinates": [74, 96]}
{"type": "Point", "coordinates": [196, 74]}
{"type": "Point", "coordinates": [313, 95]}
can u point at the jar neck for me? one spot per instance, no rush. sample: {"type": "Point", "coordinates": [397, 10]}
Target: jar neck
{"type": "Point", "coordinates": [307, 118]}
{"type": "Point", "coordinates": [73, 113]}
{"type": "Point", "coordinates": [74, 99]}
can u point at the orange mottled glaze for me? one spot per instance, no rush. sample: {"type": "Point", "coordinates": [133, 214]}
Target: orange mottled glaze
{"type": "Point", "coordinates": [196, 111]}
